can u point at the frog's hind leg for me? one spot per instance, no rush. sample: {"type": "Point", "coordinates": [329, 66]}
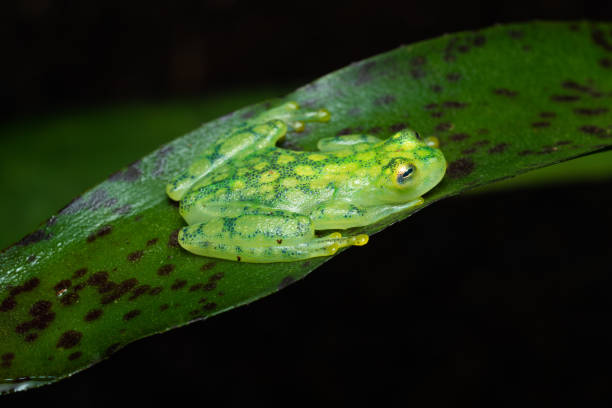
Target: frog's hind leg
{"type": "Point", "coordinates": [261, 235]}
{"type": "Point", "coordinates": [293, 116]}
{"type": "Point", "coordinates": [328, 144]}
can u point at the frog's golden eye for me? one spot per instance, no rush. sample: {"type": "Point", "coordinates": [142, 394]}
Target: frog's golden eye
{"type": "Point", "coordinates": [405, 173]}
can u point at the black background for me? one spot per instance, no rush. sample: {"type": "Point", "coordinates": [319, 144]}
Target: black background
{"type": "Point", "coordinates": [502, 299]}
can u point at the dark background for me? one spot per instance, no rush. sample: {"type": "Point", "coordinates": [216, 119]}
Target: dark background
{"type": "Point", "coordinates": [500, 299]}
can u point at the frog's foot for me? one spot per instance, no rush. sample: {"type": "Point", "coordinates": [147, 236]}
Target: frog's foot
{"type": "Point", "coordinates": [294, 117]}
{"type": "Point", "coordinates": [337, 241]}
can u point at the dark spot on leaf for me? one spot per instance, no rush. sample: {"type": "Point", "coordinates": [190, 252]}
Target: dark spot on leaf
{"type": "Point", "coordinates": [40, 308]}
{"type": "Point", "coordinates": [384, 100]}
{"type": "Point", "coordinates": [209, 306]}
{"type": "Point", "coordinates": [564, 98]}
{"type": "Point", "coordinates": [209, 286]}
{"type": "Point", "coordinates": [605, 62]}
{"type": "Point", "coordinates": [436, 88]}
{"type": "Point", "coordinates": [453, 76]}
{"type": "Point", "coordinates": [164, 307]}
{"type": "Point", "coordinates": [69, 299]}
{"type": "Point", "coordinates": [62, 285]}
{"type": "Point", "coordinates": [454, 104]}
{"type": "Point", "coordinates": [563, 142]}
{"type": "Point", "coordinates": [460, 168]}
{"type": "Point", "coordinates": [375, 130]}
{"type": "Point", "coordinates": [479, 40]}
{"type": "Point", "coordinates": [135, 256]}
{"type": "Point", "coordinates": [345, 131]}
{"type": "Point", "coordinates": [397, 127]}
{"type": "Point", "coordinates": [417, 73]}
{"type": "Point", "coordinates": [105, 230]}
{"type": "Point", "coordinates": [457, 137]}
{"type": "Point", "coordinates": [469, 151]}
{"type": "Point", "coordinates": [573, 85]}
{"type": "Point", "coordinates": [498, 148]}
{"type": "Point", "coordinates": [540, 124]}
{"type": "Point", "coordinates": [515, 34]}
{"type": "Point", "coordinates": [208, 266]}
{"type": "Point", "coordinates": [194, 313]}
{"type": "Point", "coordinates": [75, 355]}
{"type": "Point", "coordinates": [69, 339]}
{"type": "Point", "coordinates": [548, 114]}
{"type": "Point", "coordinates": [287, 280]}
{"type": "Point", "coordinates": [594, 130]}
{"type": "Point", "coordinates": [7, 356]}
{"type": "Point", "coordinates": [444, 127]}
{"type": "Point", "coordinates": [437, 114]}
{"type": "Point", "coordinates": [431, 106]}
{"type": "Point", "coordinates": [119, 291]}
{"type": "Point", "coordinates": [111, 349]}
{"type": "Point", "coordinates": [173, 239]}
{"type": "Point", "coordinates": [156, 291]}
{"type": "Point", "coordinates": [92, 315]}
{"type": "Point", "coordinates": [131, 314]}
{"type": "Point", "coordinates": [107, 287]}
{"type": "Point", "coordinates": [238, 258]}
{"type": "Point", "coordinates": [152, 242]}
{"type": "Point", "coordinates": [590, 112]}
{"type": "Point", "coordinates": [216, 277]}
{"type": "Point", "coordinates": [130, 174]}
{"type": "Point", "coordinates": [599, 38]}
{"type": "Point", "coordinates": [98, 278]}
{"type": "Point", "coordinates": [79, 287]}
{"type": "Point", "coordinates": [178, 284]}
{"type": "Point", "coordinates": [195, 287]}
{"type": "Point", "coordinates": [418, 61]}
{"type": "Point", "coordinates": [139, 291]}
{"type": "Point", "coordinates": [481, 143]}
{"type": "Point", "coordinates": [279, 241]}
{"type": "Point", "coordinates": [30, 337]}
{"type": "Point", "coordinates": [165, 270]}
{"type": "Point", "coordinates": [505, 92]}
{"type": "Point", "coordinates": [525, 152]}
{"type": "Point", "coordinates": [203, 300]}
{"type": "Point", "coordinates": [33, 238]}
{"type": "Point", "coordinates": [79, 273]}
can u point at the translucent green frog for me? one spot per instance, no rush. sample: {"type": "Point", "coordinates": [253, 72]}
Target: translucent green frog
{"type": "Point", "coordinates": [247, 200]}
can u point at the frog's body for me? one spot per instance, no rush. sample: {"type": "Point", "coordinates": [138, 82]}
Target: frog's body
{"type": "Point", "coordinates": [248, 200]}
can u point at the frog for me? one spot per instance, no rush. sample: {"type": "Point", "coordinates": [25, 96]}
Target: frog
{"type": "Point", "coordinates": [247, 199]}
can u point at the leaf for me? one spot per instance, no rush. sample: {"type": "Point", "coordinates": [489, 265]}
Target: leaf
{"type": "Point", "coordinates": [107, 270]}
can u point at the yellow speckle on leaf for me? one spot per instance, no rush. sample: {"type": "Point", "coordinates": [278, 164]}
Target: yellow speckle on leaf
{"type": "Point", "coordinates": [284, 159]}
{"type": "Point", "coordinates": [304, 171]}
{"type": "Point", "coordinates": [269, 176]}
{"type": "Point", "coordinates": [316, 157]}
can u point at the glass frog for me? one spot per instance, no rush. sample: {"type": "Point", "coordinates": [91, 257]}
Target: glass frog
{"type": "Point", "coordinates": [245, 199]}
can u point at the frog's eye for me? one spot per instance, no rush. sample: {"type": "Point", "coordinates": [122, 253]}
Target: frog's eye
{"type": "Point", "coordinates": [404, 174]}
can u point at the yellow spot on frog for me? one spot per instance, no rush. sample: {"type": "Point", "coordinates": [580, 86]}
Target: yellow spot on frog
{"type": "Point", "coordinates": [422, 153]}
{"type": "Point", "coordinates": [242, 171]}
{"type": "Point", "coordinates": [319, 183]}
{"type": "Point", "coordinates": [262, 129]}
{"type": "Point", "coordinates": [266, 188]}
{"type": "Point", "coordinates": [343, 153]}
{"type": "Point", "coordinates": [332, 169]}
{"type": "Point", "coordinates": [289, 182]}
{"type": "Point", "coordinates": [317, 157]}
{"type": "Point", "coordinates": [365, 156]}
{"type": "Point", "coordinates": [236, 142]}
{"type": "Point", "coordinates": [261, 165]}
{"type": "Point", "coordinates": [238, 185]}
{"type": "Point", "coordinates": [374, 170]}
{"type": "Point", "coordinates": [268, 176]}
{"type": "Point", "coordinates": [304, 171]}
{"type": "Point", "coordinates": [284, 159]}
{"type": "Point", "coordinates": [220, 192]}
{"type": "Point", "coordinates": [213, 227]}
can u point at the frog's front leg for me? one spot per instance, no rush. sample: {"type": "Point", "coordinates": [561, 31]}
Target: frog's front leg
{"type": "Point", "coordinates": [258, 133]}
{"type": "Point", "coordinates": [328, 144]}
{"type": "Point", "coordinates": [343, 214]}
{"type": "Point", "coordinates": [261, 235]}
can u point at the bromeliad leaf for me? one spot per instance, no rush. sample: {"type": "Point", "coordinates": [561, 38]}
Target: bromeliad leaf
{"type": "Point", "coordinates": [107, 270]}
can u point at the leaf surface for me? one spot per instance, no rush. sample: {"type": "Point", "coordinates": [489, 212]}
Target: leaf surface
{"type": "Point", "coordinates": [107, 269]}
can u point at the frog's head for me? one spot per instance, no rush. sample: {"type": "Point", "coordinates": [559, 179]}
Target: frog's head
{"type": "Point", "coordinates": [410, 167]}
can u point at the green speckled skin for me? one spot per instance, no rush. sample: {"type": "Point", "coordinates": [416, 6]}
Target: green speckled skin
{"type": "Point", "coordinates": [247, 200]}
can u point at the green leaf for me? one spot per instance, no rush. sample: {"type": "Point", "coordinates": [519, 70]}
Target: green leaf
{"type": "Point", "coordinates": [107, 270]}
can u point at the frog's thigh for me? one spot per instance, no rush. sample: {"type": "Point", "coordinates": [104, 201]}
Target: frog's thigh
{"type": "Point", "coordinates": [328, 144]}
{"type": "Point", "coordinates": [261, 235]}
